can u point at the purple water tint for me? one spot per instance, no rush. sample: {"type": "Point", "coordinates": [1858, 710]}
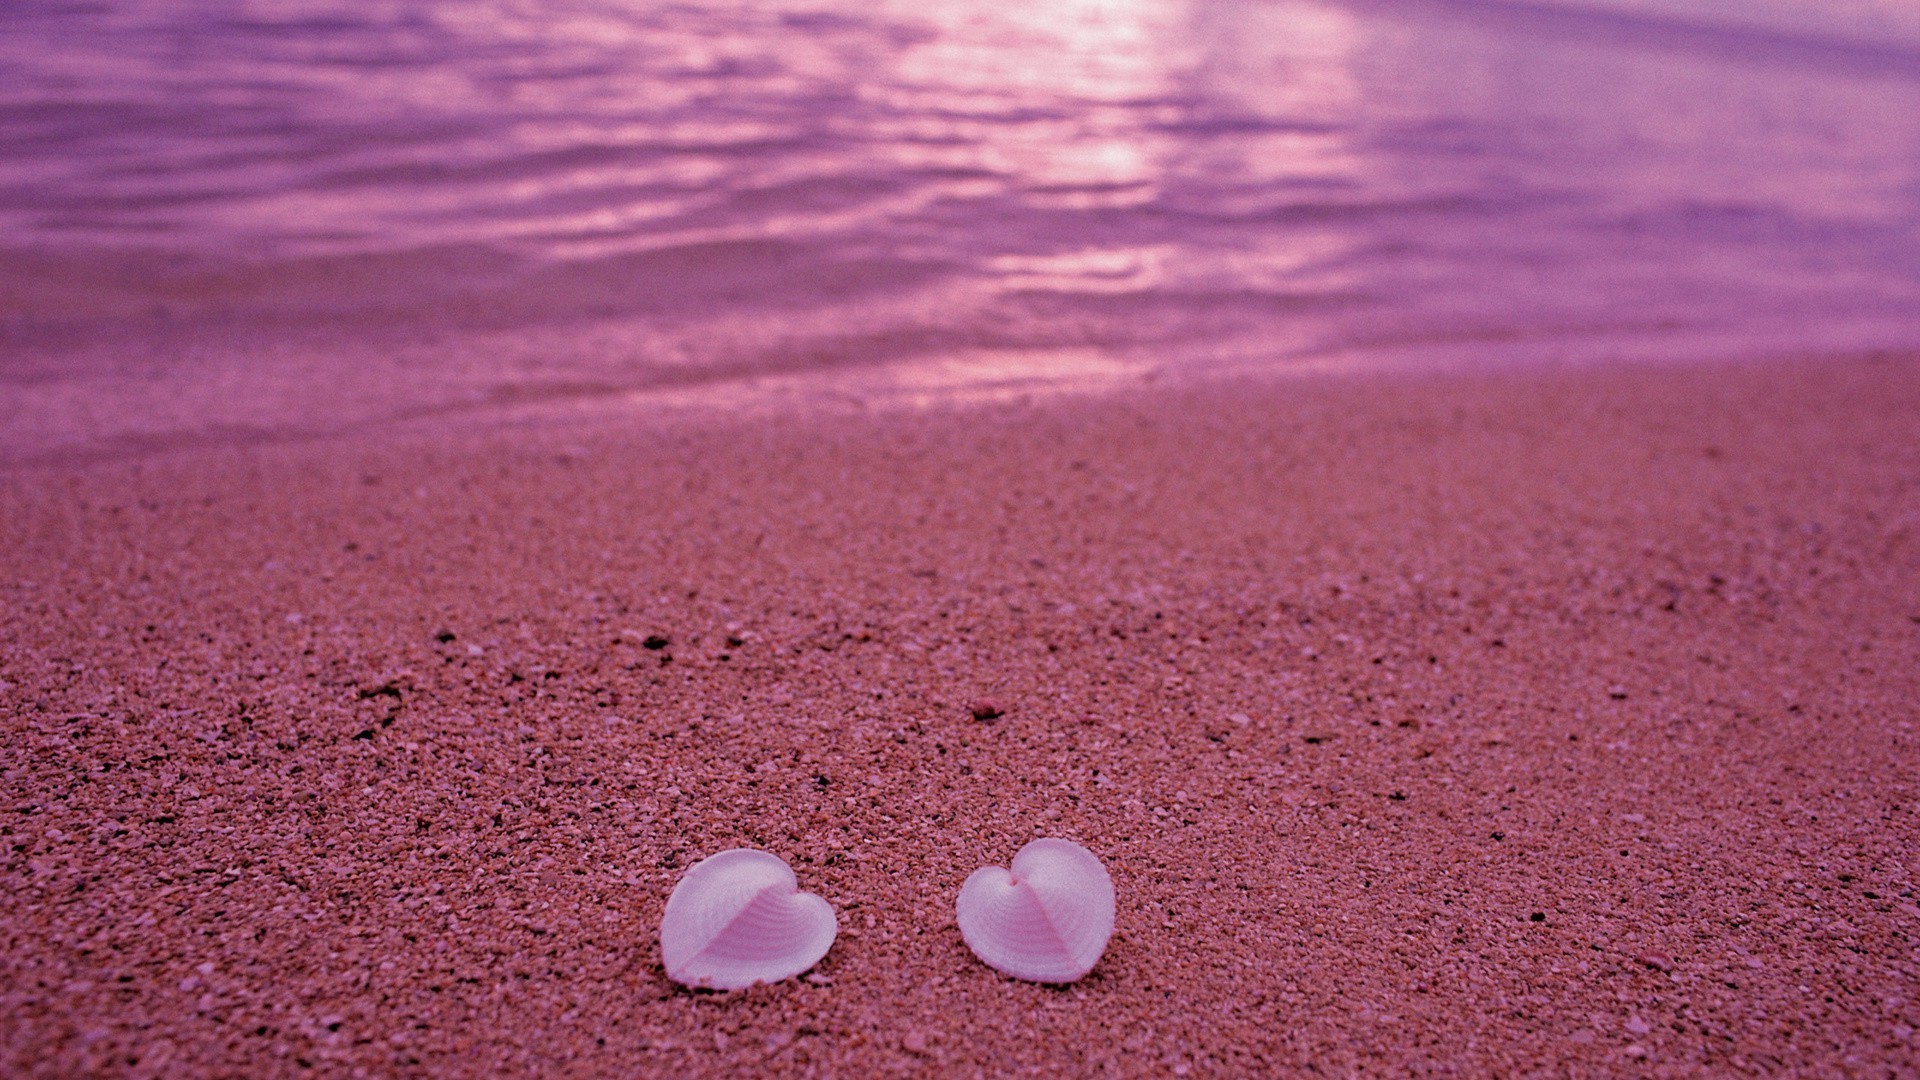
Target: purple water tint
{"type": "Point", "coordinates": [739, 189]}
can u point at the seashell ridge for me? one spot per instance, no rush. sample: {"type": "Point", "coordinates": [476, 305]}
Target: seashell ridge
{"type": "Point", "coordinates": [1046, 919]}
{"type": "Point", "coordinates": [739, 918]}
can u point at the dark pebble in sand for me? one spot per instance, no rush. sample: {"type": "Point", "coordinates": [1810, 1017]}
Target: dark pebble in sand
{"type": "Point", "coordinates": [987, 709]}
{"type": "Point", "coordinates": [655, 641]}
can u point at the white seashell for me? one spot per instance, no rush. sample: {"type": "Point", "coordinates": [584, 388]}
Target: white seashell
{"type": "Point", "coordinates": [739, 918]}
{"type": "Point", "coordinates": [1048, 920]}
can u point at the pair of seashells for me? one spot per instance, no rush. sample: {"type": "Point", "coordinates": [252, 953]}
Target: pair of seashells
{"type": "Point", "coordinates": [739, 918]}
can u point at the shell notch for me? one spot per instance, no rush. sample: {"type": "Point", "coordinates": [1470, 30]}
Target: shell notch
{"type": "Point", "coordinates": [1046, 919]}
{"type": "Point", "coordinates": [739, 918]}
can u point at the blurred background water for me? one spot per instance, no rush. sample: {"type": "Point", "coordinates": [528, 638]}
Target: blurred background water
{"type": "Point", "coordinates": [752, 186]}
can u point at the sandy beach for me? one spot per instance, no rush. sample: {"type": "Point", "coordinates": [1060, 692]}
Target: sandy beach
{"type": "Point", "coordinates": [1474, 724]}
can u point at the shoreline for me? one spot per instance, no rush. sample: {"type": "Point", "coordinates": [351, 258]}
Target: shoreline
{"type": "Point", "coordinates": [1346, 680]}
{"type": "Point", "coordinates": [104, 389]}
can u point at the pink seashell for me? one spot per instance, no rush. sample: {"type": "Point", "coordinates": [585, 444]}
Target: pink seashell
{"type": "Point", "coordinates": [739, 918]}
{"type": "Point", "coordinates": [1048, 920]}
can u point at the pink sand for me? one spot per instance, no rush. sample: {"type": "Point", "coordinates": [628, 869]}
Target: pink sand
{"type": "Point", "coordinates": [1459, 724]}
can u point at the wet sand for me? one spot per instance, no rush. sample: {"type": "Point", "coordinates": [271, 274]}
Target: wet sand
{"type": "Point", "coordinates": [1471, 724]}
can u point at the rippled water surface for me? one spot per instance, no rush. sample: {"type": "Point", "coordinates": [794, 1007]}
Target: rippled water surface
{"type": "Point", "coordinates": [768, 186]}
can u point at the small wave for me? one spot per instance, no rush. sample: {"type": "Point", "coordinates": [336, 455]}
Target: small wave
{"type": "Point", "coordinates": [461, 285]}
{"type": "Point", "coordinates": [1745, 41]}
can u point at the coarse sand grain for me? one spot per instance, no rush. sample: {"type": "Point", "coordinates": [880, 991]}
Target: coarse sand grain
{"type": "Point", "coordinates": [1476, 724]}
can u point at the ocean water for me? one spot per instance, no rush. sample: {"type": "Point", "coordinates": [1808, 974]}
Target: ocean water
{"type": "Point", "coordinates": [204, 203]}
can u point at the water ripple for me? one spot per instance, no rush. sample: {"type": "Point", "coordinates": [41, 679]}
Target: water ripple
{"type": "Point", "coordinates": [1134, 174]}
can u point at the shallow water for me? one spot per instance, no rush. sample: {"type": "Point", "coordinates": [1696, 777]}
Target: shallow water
{"type": "Point", "coordinates": [1041, 189]}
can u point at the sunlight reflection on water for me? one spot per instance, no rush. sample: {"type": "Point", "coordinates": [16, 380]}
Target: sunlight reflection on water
{"type": "Point", "coordinates": [816, 185]}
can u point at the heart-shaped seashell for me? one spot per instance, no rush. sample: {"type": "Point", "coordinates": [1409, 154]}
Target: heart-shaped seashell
{"type": "Point", "coordinates": [739, 918]}
{"type": "Point", "coordinates": [1048, 920]}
